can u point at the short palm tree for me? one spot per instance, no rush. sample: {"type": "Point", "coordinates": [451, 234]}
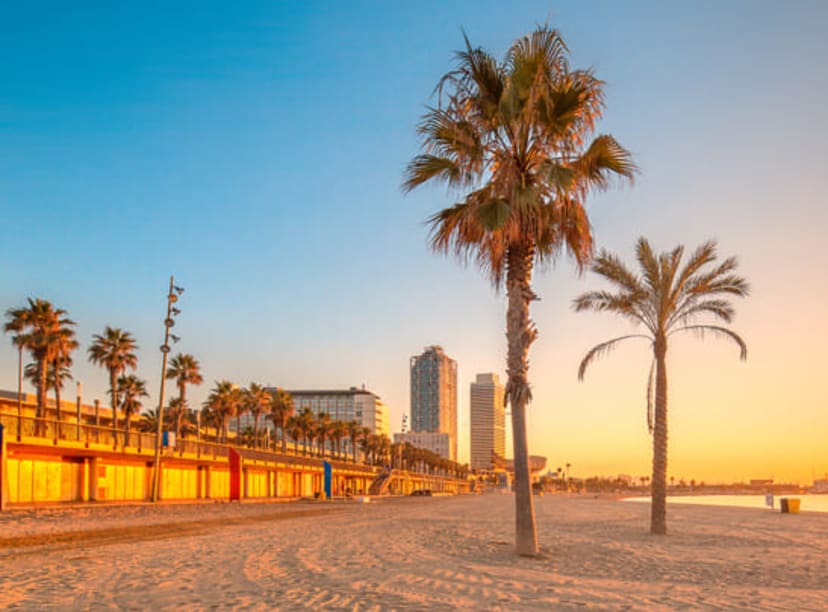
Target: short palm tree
{"type": "Point", "coordinates": [131, 389]}
{"type": "Point", "coordinates": [115, 351]}
{"type": "Point", "coordinates": [258, 402]}
{"type": "Point", "coordinates": [365, 442]}
{"type": "Point", "coordinates": [339, 430]}
{"type": "Point", "coordinates": [354, 431]}
{"type": "Point", "coordinates": [666, 298]}
{"type": "Point", "coordinates": [511, 134]}
{"type": "Point", "coordinates": [281, 410]}
{"type": "Point", "coordinates": [294, 429]}
{"type": "Point", "coordinates": [223, 401]}
{"type": "Point", "coordinates": [185, 370]}
{"type": "Point", "coordinates": [323, 431]}
{"type": "Point", "coordinates": [47, 333]}
{"type": "Point", "coordinates": [175, 414]}
{"type": "Point", "coordinates": [56, 377]}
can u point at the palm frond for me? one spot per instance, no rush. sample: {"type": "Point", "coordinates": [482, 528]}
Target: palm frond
{"type": "Point", "coordinates": [613, 269]}
{"type": "Point", "coordinates": [604, 301]}
{"type": "Point", "coordinates": [704, 254]}
{"type": "Point", "coordinates": [426, 167]}
{"type": "Point", "coordinates": [702, 330]}
{"type": "Point", "coordinates": [602, 349]}
{"type": "Point", "coordinates": [603, 160]}
{"type": "Point", "coordinates": [649, 263]}
{"type": "Point", "coordinates": [720, 309]}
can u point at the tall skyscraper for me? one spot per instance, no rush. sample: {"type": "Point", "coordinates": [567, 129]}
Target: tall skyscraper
{"type": "Point", "coordinates": [434, 394]}
{"type": "Point", "coordinates": [488, 421]}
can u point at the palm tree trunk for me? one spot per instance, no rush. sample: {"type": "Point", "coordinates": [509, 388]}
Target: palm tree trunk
{"type": "Point", "coordinates": [40, 412]}
{"type": "Point", "coordinates": [520, 333]}
{"type": "Point", "coordinates": [658, 516]}
{"type": "Point", "coordinates": [57, 396]}
{"type": "Point", "coordinates": [182, 390]}
{"type": "Point", "coordinates": [126, 427]}
{"type": "Point", "coordinates": [113, 392]}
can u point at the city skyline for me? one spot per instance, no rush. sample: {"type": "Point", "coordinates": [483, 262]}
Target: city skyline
{"type": "Point", "coordinates": [221, 155]}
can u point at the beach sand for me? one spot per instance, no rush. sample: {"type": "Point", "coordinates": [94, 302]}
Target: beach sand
{"type": "Point", "coordinates": [414, 553]}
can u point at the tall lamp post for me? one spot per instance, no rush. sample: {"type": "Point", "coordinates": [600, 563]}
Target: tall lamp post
{"type": "Point", "coordinates": [172, 298]}
{"type": "Point", "coordinates": [19, 389]}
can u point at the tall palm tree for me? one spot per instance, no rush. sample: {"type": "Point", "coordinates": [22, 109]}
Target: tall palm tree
{"type": "Point", "coordinates": [44, 331]}
{"type": "Point", "coordinates": [131, 389]}
{"type": "Point", "coordinates": [115, 351]}
{"type": "Point", "coordinates": [185, 370]}
{"type": "Point", "coordinates": [666, 298]}
{"type": "Point", "coordinates": [511, 135]}
{"type": "Point", "coordinates": [258, 402]}
{"type": "Point", "coordinates": [281, 410]}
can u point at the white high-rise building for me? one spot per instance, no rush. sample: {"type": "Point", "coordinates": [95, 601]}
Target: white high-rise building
{"type": "Point", "coordinates": [488, 421]}
{"type": "Point", "coordinates": [434, 394]}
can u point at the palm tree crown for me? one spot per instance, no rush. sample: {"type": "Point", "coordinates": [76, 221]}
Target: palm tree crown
{"type": "Point", "coordinates": [513, 135]}
{"type": "Point", "coordinates": [666, 298]}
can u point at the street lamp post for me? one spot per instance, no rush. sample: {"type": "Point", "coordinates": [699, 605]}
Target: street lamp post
{"type": "Point", "coordinates": [172, 298]}
{"type": "Point", "coordinates": [78, 406]}
{"type": "Point", "coordinates": [19, 389]}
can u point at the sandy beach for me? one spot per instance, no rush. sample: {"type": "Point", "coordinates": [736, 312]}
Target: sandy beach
{"type": "Point", "coordinates": [413, 553]}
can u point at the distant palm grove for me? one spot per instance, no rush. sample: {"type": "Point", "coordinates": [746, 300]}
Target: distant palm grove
{"type": "Point", "coordinates": [47, 335]}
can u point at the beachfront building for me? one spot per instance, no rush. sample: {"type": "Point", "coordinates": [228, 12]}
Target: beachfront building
{"type": "Point", "coordinates": [487, 422]}
{"type": "Point", "coordinates": [434, 394]}
{"type": "Point", "coordinates": [435, 442]}
{"type": "Point", "coordinates": [347, 405]}
{"type": "Point", "coordinates": [354, 404]}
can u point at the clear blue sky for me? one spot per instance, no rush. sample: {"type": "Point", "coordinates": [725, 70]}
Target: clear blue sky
{"type": "Point", "coordinates": [255, 150]}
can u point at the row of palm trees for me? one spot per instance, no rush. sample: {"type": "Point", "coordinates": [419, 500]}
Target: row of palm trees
{"type": "Point", "coordinates": [48, 335]}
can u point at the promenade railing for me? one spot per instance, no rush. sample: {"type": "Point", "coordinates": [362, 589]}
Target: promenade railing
{"type": "Point", "coordinates": [20, 427]}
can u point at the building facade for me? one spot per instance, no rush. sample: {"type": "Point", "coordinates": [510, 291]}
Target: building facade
{"type": "Point", "coordinates": [487, 422]}
{"type": "Point", "coordinates": [346, 405]}
{"type": "Point", "coordinates": [436, 442]}
{"type": "Point", "coordinates": [434, 394]}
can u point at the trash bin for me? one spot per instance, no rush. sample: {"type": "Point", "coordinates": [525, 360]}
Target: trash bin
{"type": "Point", "coordinates": [783, 505]}
{"type": "Point", "coordinates": [793, 505]}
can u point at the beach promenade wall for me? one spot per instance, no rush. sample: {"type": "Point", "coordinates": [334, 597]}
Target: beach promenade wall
{"type": "Point", "coordinates": [46, 461]}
